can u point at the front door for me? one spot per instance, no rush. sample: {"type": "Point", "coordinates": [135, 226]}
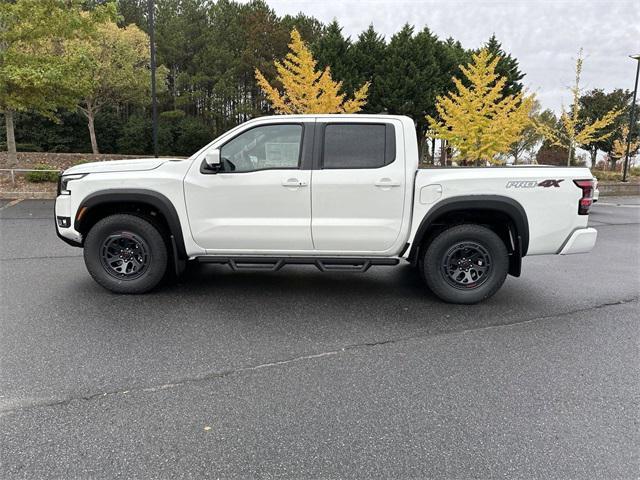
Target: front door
{"type": "Point", "coordinates": [260, 201]}
{"type": "Point", "coordinates": [358, 189]}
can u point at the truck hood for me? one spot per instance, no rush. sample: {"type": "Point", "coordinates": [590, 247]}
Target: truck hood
{"type": "Point", "coordinates": [131, 165]}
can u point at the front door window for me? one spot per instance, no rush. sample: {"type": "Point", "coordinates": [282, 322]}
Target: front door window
{"type": "Point", "coordinates": [263, 148]}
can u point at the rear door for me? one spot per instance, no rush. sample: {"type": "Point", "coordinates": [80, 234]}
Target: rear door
{"type": "Point", "coordinates": [358, 185]}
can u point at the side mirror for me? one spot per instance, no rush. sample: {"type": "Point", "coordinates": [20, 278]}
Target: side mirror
{"type": "Point", "coordinates": [213, 160]}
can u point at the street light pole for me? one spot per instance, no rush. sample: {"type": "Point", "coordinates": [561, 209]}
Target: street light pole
{"type": "Point", "coordinates": [631, 119]}
{"type": "Point", "coordinates": [154, 100]}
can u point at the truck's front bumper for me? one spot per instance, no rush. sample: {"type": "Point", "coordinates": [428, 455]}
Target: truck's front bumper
{"type": "Point", "coordinates": [63, 211]}
{"type": "Point", "coordinates": [580, 241]}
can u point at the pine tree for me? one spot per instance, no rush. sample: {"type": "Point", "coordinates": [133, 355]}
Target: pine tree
{"type": "Point", "coordinates": [305, 89]}
{"type": "Point", "coordinates": [478, 120]}
{"type": "Point", "coordinates": [333, 50]}
{"type": "Point", "coordinates": [309, 28]}
{"type": "Point", "coordinates": [365, 54]}
{"type": "Point", "coordinates": [408, 83]}
{"type": "Point", "coordinates": [506, 67]}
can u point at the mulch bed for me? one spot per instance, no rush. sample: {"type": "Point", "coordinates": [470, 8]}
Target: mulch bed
{"type": "Point", "coordinates": [57, 161]}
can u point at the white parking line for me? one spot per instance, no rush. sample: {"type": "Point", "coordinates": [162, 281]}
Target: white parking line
{"type": "Point", "coordinates": [618, 205]}
{"type": "Point", "coordinates": [10, 204]}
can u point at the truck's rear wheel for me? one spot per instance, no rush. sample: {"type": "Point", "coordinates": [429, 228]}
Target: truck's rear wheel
{"type": "Point", "coordinates": [125, 254]}
{"type": "Point", "coordinates": [465, 264]}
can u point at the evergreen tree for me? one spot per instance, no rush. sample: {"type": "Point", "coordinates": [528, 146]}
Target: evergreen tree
{"type": "Point", "coordinates": [181, 34]}
{"type": "Point", "coordinates": [507, 66]}
{"type": "Point", "coordinates": [451, 56]}
{"type": "Point", "coordinates": [551, 154]}
{"type": "Point", "coordinates": [310, 28]}
{"type": "Point", "coordinates": [133, 12]}
{"type": "Point", "coordinates": [333, 50]}
{"type": "Point", "coordinates": [408, 81]}
{"type": "Point", "coordinates": [365, 55]}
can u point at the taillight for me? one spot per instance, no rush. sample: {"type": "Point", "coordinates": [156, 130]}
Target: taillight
{"type": "Point", "coordinates": [587, 196]}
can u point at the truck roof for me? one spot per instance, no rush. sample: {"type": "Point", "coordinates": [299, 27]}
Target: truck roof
{"type": "Point", "coordinates": [337, 115]}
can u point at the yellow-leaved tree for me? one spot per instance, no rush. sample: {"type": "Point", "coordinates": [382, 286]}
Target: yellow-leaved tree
{"type": "Point", "coordinates": [478, 120]}
{"type": "Point", "coordinates": [306, 90]}
{"type": "Point", "coordinates": [573, 130]}
{"type": "Point", "coordinates": [619, 149]}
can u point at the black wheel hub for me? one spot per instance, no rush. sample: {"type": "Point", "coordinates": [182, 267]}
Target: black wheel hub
{"type": "Point", "coordinates": [466, 265]}
{"type": "Point", "coordinates": [125, 255]}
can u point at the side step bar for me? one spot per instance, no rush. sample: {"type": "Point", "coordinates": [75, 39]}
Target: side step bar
{"type": "Point", "coordinates": [273, 264]}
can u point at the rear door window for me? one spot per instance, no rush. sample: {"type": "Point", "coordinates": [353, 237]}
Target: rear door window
{"type": "Point", "coordinates": [358, 145]}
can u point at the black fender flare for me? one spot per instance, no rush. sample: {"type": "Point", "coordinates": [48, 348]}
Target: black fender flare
{"type": "Point", "coordinates": [158, 201]}
{"type": "Point", "coordinates": [468, 203]}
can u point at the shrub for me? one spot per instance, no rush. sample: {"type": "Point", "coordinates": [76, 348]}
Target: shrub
{"type": "Point", "coordinates": [172, 115]}
{"type": "Point", "coordinates": [136, 136]}
{"type": "Point", "coordinates": [59, 149]}
{"type": "Point", "coordinates": [606, 175]}
{"type": "Point", "coordinates": [109, 126]}
{"type": "Point", "coordinates": [68, 132]}
{"type": "Point", "coordinates": [601, 165]}
{"type": "Point", "coordinates": [609, 175]}
{"type": "Point", "coordinates": [37, 177]}
{"type": "Point", "coordinates": [22, 147]}
{"type": "Point", "coordinates": [179, 134]}
{"type": "Point", "coordinates": [192, 136]}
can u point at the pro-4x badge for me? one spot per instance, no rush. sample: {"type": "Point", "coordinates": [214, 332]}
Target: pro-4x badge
{"type": "Point", "coordinates": [550, 183]}
{"type": "Point", "coordinates": [533, 183]}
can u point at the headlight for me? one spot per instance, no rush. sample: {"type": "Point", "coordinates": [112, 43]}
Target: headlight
{"type": "Point", "coordinates": [64, 181]}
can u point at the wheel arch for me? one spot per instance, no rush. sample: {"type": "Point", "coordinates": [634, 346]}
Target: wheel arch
{"type": "Point", "coordinates": [154, 205]}
{"type": "Point", "coordinates": [481, 209]}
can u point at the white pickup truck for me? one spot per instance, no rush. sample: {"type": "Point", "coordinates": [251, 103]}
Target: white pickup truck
{"type": "Point", "coordinates": [341, 192]}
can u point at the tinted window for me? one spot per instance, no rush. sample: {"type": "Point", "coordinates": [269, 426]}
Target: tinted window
{"type": "Point", "coordinates": [269, 146]}
{"type": "Point", "coordinates": [354, 146]}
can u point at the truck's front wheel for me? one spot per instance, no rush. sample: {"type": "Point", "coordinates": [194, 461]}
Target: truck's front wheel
{"type": "Point", "coordinates": [125, 254]}
{"type": "Point", "coordinates": [465, 264]}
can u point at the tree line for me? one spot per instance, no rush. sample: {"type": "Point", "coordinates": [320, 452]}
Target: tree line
{"type": "Point", "coordinates": [209, 51]}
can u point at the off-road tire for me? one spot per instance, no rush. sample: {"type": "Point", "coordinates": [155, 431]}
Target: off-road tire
{"type": "Point", "coordinates": [448, 248]}
{"type": "Point", "coordinates": [114, 232]}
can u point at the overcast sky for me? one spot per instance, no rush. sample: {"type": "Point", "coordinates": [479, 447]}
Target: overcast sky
{"type": "Point", "coordinates": [544, 35]}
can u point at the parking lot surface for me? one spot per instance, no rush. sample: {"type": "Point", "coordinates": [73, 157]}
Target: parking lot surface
{"type": "Point", "coordinates": [302, 374]}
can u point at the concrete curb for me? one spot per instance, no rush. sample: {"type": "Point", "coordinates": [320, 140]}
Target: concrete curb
{"type": "Point", "coordinates": [619, 189]}
{"type": "Point", "coordinates": [27, 195]}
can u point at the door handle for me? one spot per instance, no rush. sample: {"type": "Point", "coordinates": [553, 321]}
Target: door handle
{"type": "Point", "coordinates": [387, 182]}
{"type": "Point", "coordinates": [293, 183]}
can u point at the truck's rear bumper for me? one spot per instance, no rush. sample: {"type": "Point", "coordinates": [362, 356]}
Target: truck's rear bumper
{"type": "Point", "coordinates": [580, 241]}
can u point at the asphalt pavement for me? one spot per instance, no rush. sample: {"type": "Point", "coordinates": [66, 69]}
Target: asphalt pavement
{"type": "Point", "coordinates": [302, 374]}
